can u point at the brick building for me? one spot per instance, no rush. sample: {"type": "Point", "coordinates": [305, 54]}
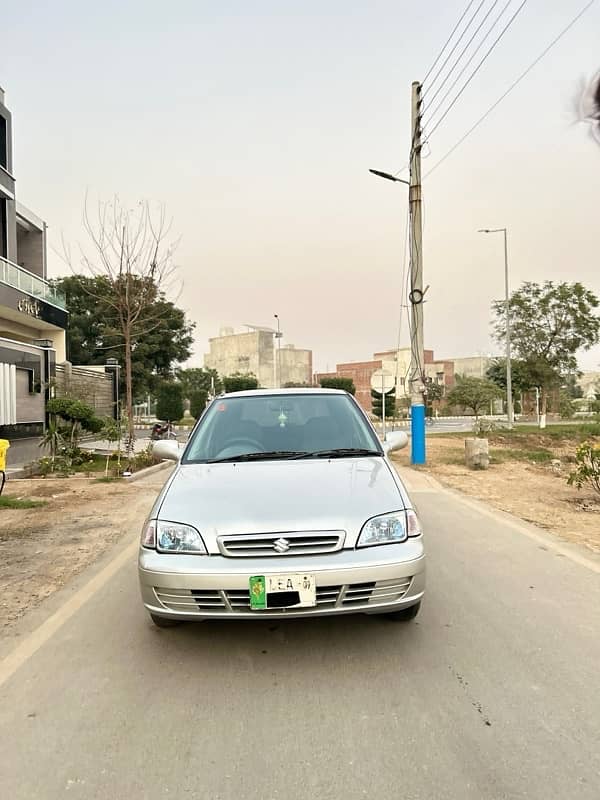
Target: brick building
{"type": "Point", "coordinates": [397, 362]}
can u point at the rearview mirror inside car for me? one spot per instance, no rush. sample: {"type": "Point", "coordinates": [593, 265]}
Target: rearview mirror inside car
{"type": "Point", "coordinates": [168, 449]}
{"type": "Point", "coordinates": [395, 440]}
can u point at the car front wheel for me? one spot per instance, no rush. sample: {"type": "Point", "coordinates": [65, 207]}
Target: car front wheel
{"type": "Point", "coordinates": [404, 614]}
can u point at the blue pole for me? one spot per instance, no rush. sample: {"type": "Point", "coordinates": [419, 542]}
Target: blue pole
{"type": "Point", "coordinates": [417, 430]}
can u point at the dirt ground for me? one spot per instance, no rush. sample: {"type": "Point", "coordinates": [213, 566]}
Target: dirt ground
{"type": "Point", "coordinates": [42, 548]}
{"type": "Point", "coordinates": [533, 492]}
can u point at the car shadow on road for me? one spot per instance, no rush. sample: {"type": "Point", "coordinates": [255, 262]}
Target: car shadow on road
{"type": "Point", "coordinates": [310, 643]}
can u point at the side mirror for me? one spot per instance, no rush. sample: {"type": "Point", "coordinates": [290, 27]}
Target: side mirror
{"type": "Point", "coordinates": [395, 440]}
{"type": "Point", "coordinates": [166, 449]}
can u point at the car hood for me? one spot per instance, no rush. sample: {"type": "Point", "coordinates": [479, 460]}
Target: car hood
{"type": "Point", "coordinates": [281, 496]}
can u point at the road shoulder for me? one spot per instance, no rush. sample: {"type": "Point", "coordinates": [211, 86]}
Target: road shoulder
{"type": "Point", "coordinates": [420, 483]}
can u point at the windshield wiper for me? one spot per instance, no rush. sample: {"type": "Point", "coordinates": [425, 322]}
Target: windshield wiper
{"type": "Point", "coordinates": [259, 456]}
{"type": "Point", "coordinates": [340, 452]}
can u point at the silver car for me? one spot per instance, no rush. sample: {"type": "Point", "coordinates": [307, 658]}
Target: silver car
{"type": "Point", "coordinates": [283, 504]}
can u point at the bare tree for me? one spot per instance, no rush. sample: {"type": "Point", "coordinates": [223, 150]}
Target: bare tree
{"type": "Point", "coordinates": [128, 249]}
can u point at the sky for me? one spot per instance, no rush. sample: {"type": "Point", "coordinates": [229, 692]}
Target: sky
{"type": "Point", "coordinates": [255, 122]}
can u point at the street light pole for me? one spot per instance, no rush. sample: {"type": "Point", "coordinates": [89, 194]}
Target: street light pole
{"type": "Point", "coordinates": [417, 295]}
{"type": "Point", "coordinates": [509, 397]}
{"type": "Point", "coordinates": [417, 292]}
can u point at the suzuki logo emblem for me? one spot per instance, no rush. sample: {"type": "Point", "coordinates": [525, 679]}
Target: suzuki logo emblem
{"type": "Point", "coordinates": [281, 545]}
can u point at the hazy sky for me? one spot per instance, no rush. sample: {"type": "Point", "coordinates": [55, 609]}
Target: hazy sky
{"type": "Point", "coordinates": [256, 121]}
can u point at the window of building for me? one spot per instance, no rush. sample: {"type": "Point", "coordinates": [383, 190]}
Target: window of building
{"type": "Point", "coordinates": [3, 143]}
{"type": "Point", "coordinates": [3, 229]}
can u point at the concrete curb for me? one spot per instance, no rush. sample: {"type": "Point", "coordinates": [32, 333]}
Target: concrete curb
{"type": "Point", "coordinates": [149, 471]}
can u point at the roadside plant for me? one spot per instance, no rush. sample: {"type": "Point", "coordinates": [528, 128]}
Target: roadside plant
{"type": "Point", "coordinates": [483, 427]}
{"type": "Point", "coordinates": [111, 431]}
{"type": "Point", "coordinates": [52, 440]}
{"type": "Point", "coordinates": [587, 469]}
{"type": "Point", "coordinates": [75, 416]}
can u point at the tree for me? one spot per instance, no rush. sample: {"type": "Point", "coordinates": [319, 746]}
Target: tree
{"type": "Point", "coordinates": [433, 393]}
{"type": "Point", "coordinates": [198, 399]}
{"type": "Point", "coordinates": [93, 334]}
{"type": "Point", "coordinates": [377, 404]}
{"type": "Point", "coordinates": [550, 323]}
{"type": "Point", "coordinates": [75, 417]}
{"type": "Point", "coordinates": [474, 394]}
{"type": "Point", "coordinates": [240, 382]}
{"type": "Point", "coordinates": [194, 379]}
{"type": "Point", "coordinates": [572, 387]}
{"type": "Point", "coordinates": [347, 384]}
{"type": "Point", "coordinates": [566, 407]}
{"type": "Point", "coordinates": [520, 375]}
{"type": "Point", "coordinates": [128, 249]}
{"type": "Point", "coordinates": [169, 405]}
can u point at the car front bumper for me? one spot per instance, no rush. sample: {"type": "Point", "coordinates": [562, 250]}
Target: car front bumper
{"type": "Point", "coordinates": [370, 580]}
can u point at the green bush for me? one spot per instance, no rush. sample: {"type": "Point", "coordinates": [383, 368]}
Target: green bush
{"type": "Point", "coordinates": [198, 399]}
{"type": "Point", "coordinates": [377, 404]}
{"type": "Point", "coordinates": [169, 404]}
{"type": "Point", "coordinates": [587, 470]}
{"type": "Point", "coordinates": [346, 384]}
{"type": "Point", "coordinates": [240, 383]}
{"type": "Point", "coordinates": [76, 414]}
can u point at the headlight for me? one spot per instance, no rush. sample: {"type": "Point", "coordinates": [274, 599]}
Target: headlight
{"type": "Point", "coordinates": [173, 537]}
{"type": "Point", "coordinates": [389, 529]}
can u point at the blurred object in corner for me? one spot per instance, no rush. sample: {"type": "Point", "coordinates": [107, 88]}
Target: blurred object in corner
{"type": "Point", "coordinates": [588, 105]}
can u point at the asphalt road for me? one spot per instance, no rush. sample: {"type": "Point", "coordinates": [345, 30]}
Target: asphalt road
{"type": "Point", "coordinates": [493, 692]}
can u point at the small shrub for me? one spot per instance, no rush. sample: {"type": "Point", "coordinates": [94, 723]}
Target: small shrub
{"type": "Point", "coordinates": [484, 426]}
{"type": "Point", "coordinates": [587, 470]}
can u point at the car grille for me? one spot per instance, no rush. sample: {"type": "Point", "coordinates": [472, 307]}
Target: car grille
{"type": "Point", "coordinates": [206, 601]}
{"type": "Point", "coordinates": [281, 544]}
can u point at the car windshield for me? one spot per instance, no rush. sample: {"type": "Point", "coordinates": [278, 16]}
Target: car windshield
{"type": "Point", "coordinates": [281, 426]}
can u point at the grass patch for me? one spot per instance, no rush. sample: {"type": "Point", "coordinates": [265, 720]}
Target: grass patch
{"type": "Point", "coordinates": [540, 455]}
{"type": "Point", "coordinates": [108, 479]}
{"type": "Point", "coordinates": [96, 463]}
{"type": "Point", "coordinates": [15, 502]}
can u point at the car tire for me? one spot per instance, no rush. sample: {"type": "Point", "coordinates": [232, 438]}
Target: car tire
{"type": "Point", "coordinates": [164, 622]}
{"type": "Point", "coordinates": [405, 614]}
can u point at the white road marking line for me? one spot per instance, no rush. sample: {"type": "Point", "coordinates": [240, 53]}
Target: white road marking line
{"type": "Point", "coordinates": [32, 643]}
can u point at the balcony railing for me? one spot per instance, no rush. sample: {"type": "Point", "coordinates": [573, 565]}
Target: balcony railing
{"type": "Point", "coordinates": [31, 284]}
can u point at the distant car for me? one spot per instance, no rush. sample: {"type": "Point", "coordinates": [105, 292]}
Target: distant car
{"type": "Point", "coordinates": [283, 504]}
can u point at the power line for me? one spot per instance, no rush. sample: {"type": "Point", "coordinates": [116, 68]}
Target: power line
{"type": "Point", "coordinates": [458, 41]}
{"type": "Point", "coordinates": [473, 54]}
{"type": "Point", "coordinates": [465, 48]}
{"type": "Point", "coordinates": [513, 85]}
{"type": "Point", "coordinates": [477, 68]}
{"type": "Point", "coordinates": [448, 40]}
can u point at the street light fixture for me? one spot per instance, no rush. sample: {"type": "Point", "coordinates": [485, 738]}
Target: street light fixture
{"type": "Point", "coordinates": [388, 176]}
{"type": "Point", "coordinates": [509, 397]}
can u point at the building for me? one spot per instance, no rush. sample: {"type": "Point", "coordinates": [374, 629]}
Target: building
{"type": "Point", "coordinates": [472, 366]}
{"type": "Point", "coordinates": [256, 352]}
{"type": "Point", "coordinates": [33, 316]}
{"type": "Point", "coordinates": [397, 363]}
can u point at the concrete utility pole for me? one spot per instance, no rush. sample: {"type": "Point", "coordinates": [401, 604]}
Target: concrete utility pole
{"type": "Point", "coordinates": [509, 396]}
{"type": "Point", "coordinates": [416, 296]}
{"type": "Point", "coordinates": [417, 293]}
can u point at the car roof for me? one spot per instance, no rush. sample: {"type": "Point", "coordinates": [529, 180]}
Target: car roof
{"type": "Point", "coordinates": [278, 392]}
